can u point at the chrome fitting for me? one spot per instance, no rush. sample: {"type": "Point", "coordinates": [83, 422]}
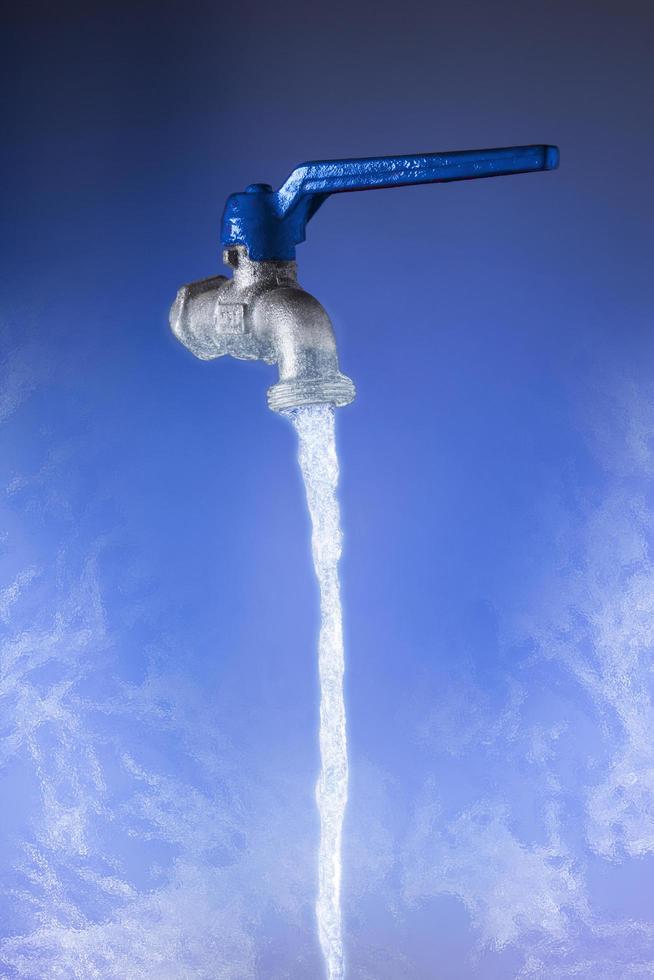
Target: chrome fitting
{"type": "Point", "coordinates": [262, 313]}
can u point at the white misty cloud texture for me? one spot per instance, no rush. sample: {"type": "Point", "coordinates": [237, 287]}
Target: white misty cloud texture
{"type": "Point", "coordinates": [134, 868]}
{"type": "Point", "coordinates": [596, 619]}
{"type": "Point", "coordinates": [19, 375]}
{"type": "Point", "coordinates": [136, 845]}
{"type": "Point", "coordinates": [589, 623]}
{"type": "Point", "coordinates": [133, 844]}
{"type": "Point", "coordinates": [508, 887]}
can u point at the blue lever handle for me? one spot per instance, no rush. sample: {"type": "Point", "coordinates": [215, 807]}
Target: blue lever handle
{"type": "Point", "coordinates": [271, 223]}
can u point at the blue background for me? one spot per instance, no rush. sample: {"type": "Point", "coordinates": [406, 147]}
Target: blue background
{"type": "Point", "coordinates": [159, 685]}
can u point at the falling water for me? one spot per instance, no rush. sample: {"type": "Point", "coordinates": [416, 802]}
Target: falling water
{"type": "Point", "coordinates": [319, 465]}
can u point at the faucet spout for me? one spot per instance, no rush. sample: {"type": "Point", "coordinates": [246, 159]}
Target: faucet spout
{"type": "Point", "coordinates": [305, 346]}
{"type": "Point", "coordinates": [263, 313]}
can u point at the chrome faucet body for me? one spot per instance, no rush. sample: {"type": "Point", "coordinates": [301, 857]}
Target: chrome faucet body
{"type": "Point", "coordinates": [262, 312]}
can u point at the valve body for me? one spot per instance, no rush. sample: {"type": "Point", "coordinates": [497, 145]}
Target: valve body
{"type": "Point", "coordinates": [262, 313]}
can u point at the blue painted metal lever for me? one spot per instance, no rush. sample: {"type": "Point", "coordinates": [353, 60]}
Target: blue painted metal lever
{"type": "Point", "coordinates": [271, 223]}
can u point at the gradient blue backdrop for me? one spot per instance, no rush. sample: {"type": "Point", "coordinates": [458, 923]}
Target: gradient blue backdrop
{"type": "Point", "coordinates": [159, 688]}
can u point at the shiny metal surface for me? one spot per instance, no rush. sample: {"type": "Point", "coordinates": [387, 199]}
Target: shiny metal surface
{"type": "Point", "coordinates": [263, 313]}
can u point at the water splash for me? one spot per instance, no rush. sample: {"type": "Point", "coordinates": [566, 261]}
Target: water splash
{"type": "Point", "coordinates": [319, 465]}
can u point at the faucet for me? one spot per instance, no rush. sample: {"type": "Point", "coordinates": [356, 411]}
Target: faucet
{"type": "Point", "coordinates": [261, 312]}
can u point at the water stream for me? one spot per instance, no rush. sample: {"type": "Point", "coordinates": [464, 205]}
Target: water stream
{"type": "Point", "coordinates": [319, 464]}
